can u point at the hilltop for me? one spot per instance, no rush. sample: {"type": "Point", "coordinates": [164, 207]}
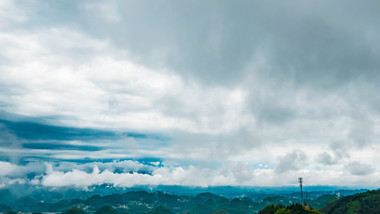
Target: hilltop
{"type": "Point", "coordinates": [294, 209]}
{"type": "Point", "coordinates": [361, 203]}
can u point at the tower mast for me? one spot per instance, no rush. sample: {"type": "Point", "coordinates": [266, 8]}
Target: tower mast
{"type": "Point", "coordinates": [300, 180]}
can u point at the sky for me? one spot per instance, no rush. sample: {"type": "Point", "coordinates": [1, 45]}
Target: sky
{"type": "Point", "coordinates": [192, 93]}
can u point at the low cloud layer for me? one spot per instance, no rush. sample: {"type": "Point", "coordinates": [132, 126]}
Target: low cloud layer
{"type": "Point", "coordinates": [134, 173]}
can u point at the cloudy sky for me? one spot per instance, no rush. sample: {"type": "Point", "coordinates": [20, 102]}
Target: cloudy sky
{"type": "Point", "coordinates": [199, 93]}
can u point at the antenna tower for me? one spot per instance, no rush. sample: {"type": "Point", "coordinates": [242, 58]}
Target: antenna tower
{"type": "Point", "coordinates": [300, 180]}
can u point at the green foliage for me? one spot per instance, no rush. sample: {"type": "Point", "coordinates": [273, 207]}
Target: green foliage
{"type": "Point", "coordinates": [222, 205]}
{"type": "Point", "coordinates": [138, 202]}
{"type": "Point", "coordinates": [291, 209]}
{"type": "Point", "coordinates": [74, 210]}
{"type": "Point", "coordinates": [107, 210]}
{"type": "Point", "coordinates": [366, 203]}
{"type": "Point", "coordinates": [220, 212]}
{"type": "Point", "coordinates": [271, 209]}
{"type": "Point", "coordinates": [322, 201]}
{"type": "Point", "coordinates": [5, 208]}
{"type": "Point", "coordinates": [160, 210]}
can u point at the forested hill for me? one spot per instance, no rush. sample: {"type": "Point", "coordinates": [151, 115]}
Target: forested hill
{"type": "Point", "coordinates": [139, 202]}
{"type": "Point", "coordinates": [293, 209]}
{"type": "Point", "coordinates": [142, 202]}
{"type": "Point", "coordinates": [271, 209]}
{"type": "Point", "coordinates": [361, 203]}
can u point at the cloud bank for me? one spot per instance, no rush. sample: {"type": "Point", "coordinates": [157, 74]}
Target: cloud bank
{"type": "Point", "coordinates": [132, 173]}
{"type": "Point", "coordinates": [289, 85]}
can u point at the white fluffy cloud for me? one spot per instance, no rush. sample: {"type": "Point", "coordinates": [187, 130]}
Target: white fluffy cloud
{"type": "Point", "coordinates": [7, 168]}
{"type": "Point", "coordinates": [11, 170]}
{"type": "Point", "coordinates": [47, 76]}
{"type": "Point", "coordinates": [230, 174]}
{"type": "Point", "coordinates": [238, 174]}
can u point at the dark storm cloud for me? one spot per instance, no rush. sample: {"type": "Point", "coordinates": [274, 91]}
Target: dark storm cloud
{"type": "Point", "coordinates": [271, 49]}
{"type": "Point", "coordinates": [319, 43]}
{"type": "Point", "coordinates": [316, 43]}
